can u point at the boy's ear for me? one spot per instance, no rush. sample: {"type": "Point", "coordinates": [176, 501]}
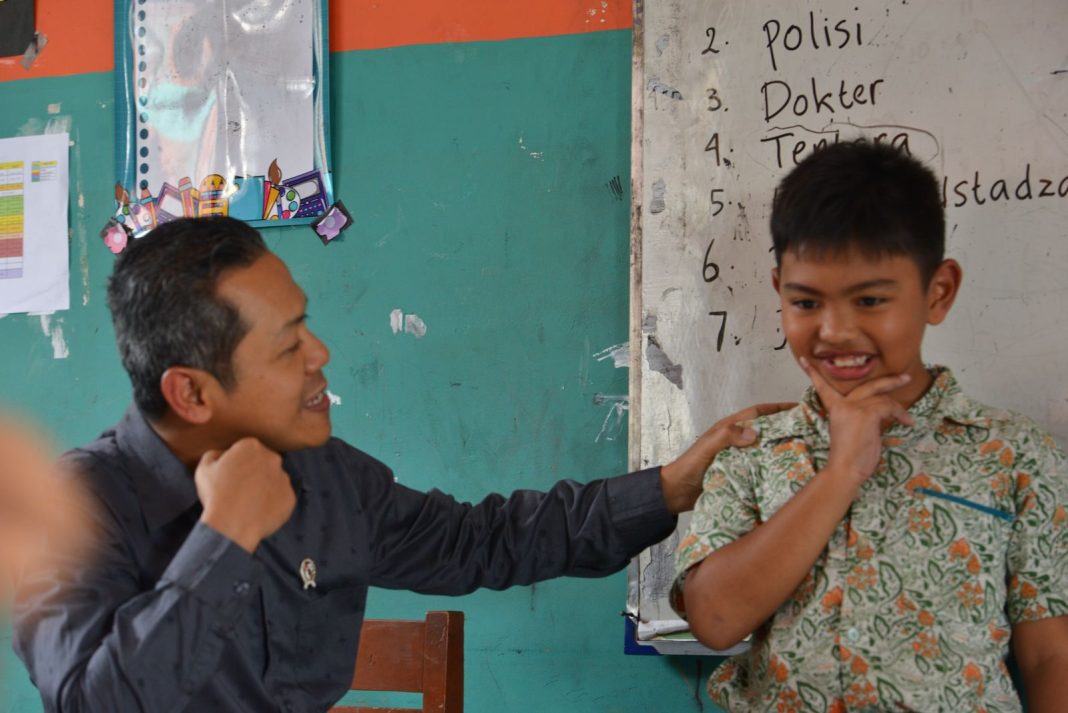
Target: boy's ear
{"type": "Point", "coordinates": [185, 390]}
{"type": "Point", "coordinates": [775, 278]}
{"type": "Point", "coordinates": [942, 290]}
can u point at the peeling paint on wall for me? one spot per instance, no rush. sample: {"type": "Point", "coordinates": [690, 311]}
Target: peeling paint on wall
{"type": "Point", "coordinates": [619, 354]}
{"type": "Point", "coordinates": [54, 329]}
{"type": "Point", "coordinates": [661, 362]}
{"type": "Point", "coordinates": [614, 420]}
{"type": "Point", "coordinates": [407, 323]}
{"type": "Point", "coordinates": [657, 205]}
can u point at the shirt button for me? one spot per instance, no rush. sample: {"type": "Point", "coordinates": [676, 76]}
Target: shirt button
{"type": "Point", "coordinates": [241, 588]}
{"type": "Point", "coordinates": [852, 634]}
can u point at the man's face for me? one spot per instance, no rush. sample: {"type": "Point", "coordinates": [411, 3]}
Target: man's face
{"type": "Point", "coordinates": [279, 395]}
{"type": "Point", "coordinates": [857, 318]}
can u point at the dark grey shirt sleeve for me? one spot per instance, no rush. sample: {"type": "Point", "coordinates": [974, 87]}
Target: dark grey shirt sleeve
{"type": "Point", "coordinates": [95, 641]}
{"type": "Point", "coordinates": [430, 543]}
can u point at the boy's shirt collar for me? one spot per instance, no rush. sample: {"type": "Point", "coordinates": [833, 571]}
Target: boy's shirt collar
{"type": "Point", "coordinates": [943, 401]}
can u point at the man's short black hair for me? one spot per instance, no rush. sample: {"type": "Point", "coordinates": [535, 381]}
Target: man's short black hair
{"type": "Point", "coordinates": [860, 195]}
{"type": "Point", "coordinates": [163, 302]}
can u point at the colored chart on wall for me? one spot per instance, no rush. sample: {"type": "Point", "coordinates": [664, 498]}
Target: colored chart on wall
{"type": "Point", "coordinates": [12, 204]}
{"type": "Point", "coordinates": [222, 112]}
{"type": "Point", "coordinates": [33, 224]}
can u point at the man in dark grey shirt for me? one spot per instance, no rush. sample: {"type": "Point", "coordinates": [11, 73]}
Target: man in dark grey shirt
{"type": "Point", "coordinates": [237, 539]}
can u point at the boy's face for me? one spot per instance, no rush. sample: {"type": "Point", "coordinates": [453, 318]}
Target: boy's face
{"type": "Point", "coordinates": [857, 318]}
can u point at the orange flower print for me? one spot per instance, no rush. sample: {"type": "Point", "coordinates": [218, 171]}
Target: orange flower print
{"type": "Point", "coordinates": [1007, 457]}
{"type": "Point", "coordinates": [918, 481]}
{"type": "Point", "coordinates": [990, 447]}
{"type": "Point", "coordinates": [862, 577]}
{"type": "Point", "coordinates": [997, 633]}
{"type": "Point", "coordinates": [716, 481]}
{"type": "Point", "coordinates": [789, 447]}
{"type": "Point", "coordinates": [832, 599]}
{"type": "Point", "coordinates": [789, 701]}
{"type": "Point", "coordinates": [905, 604]}
{"type": "Point", "coordinates": [970, 594]}
{"type": "Point", "coordinates": [1028, 590]}
{"type": "Point", "coordinates": [919, 519]}
{"type": "Point", "coordinates": [892, 441]}
{"type": "Point", "coordinates": [859, 667]}
{"type": "Point", "coordinates": [973, 676]}
{"type": "Point", "coordinates": [726, 672]}
{"type": "Point", "coordinates": [837, 706]}
{"type": "Point", "coordinates": [959, 549]}
{"type": "Point", "coordinates": [687, 541]}
{"type": "Point", "coordinates": [926, 645]}
{"type": "Point", "coordinates": [779, 670]}
{"type": "Point", "coordinates": [926, 618]}
{"type": "Point", "coordinates": [974, 567]}
{"type": "Point", "coordinates": [1059, 516]}
{"type": "Point", "coordinates": [1001, 484]}
{"type": "Point", "coordinates": [1023, 480]}
{"type": "Point", "coordinates": [861, 694]}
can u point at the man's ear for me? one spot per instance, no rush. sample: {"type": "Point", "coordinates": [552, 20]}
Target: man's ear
{"type": "Point", "coordinates": [942, 290]}
{"type": "Point", "coordinates": [775, 278]}
{"type": "Point", "coordinates": [185, 390]}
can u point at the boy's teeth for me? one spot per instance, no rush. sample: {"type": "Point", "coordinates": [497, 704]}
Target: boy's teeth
{"type": "Point", "coordinates": [848, 361]}
{"type": "Point", "coordinates": [315, 399]}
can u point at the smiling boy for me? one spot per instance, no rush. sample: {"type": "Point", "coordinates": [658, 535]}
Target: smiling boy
{"type": "Point", "coordinates": [889, 537]}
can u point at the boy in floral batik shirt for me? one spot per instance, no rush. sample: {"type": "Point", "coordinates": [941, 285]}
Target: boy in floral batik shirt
{"type": "Point", "coordinates": [889, 538]}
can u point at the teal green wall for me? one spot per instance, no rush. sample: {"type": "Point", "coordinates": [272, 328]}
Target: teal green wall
{"type": "Point", "coordinates": [478, 178]}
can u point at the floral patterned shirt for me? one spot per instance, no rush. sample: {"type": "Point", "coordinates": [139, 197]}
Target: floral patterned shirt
{"type": "Point", "coordinates": [959, 534]}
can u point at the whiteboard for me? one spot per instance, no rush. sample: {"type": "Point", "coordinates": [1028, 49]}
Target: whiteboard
{"type": "Point", "coordinates": [729, 95]}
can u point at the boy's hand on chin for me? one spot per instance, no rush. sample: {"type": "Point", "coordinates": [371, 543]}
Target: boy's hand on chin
{"type": "Point", "coordinates": [858, 421]}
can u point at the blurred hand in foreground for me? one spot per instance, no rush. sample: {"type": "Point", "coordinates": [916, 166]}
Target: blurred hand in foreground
{"type": "Point", "coordinates": [43, 514]}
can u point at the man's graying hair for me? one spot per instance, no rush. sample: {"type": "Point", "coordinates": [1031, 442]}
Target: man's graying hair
{"type": "Point", "coordinates": [163, 302]}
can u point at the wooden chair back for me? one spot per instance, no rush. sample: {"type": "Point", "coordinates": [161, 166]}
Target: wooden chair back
{"type": "Point", "coordinates": [412, 656]}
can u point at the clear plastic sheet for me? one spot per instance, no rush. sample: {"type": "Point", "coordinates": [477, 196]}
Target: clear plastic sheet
{"type": "Point", "coordinates": [222, 110]}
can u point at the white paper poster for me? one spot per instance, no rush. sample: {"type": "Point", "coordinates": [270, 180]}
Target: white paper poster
{"type": "Point", "coordinates": [34, 272]}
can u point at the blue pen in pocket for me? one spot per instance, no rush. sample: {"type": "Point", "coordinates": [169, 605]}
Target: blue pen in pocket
{"type": "Point", "coordinates": [1003, 514]}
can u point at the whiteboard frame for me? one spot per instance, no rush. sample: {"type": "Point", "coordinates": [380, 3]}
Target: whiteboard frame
{"type": "Point", "coordinates": [674, 646]}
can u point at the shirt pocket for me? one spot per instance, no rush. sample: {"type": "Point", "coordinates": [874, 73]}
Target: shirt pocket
{"type": "Point", "coordinates": [969, 538]}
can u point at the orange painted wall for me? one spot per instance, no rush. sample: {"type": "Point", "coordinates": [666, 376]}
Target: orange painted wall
{"type": "Point", "coordinates": [81, 38]}
{"type": "Point", "coordinates": [372, 24]}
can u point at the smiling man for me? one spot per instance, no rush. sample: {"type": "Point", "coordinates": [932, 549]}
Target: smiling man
{"type": "Point", "coordinates": [238, 538]}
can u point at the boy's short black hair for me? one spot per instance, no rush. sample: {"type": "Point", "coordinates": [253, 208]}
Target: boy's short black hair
{"type": "Point", "coordinates": [163, 303]}
{"type": "Point", "coordinates": [860, 195]}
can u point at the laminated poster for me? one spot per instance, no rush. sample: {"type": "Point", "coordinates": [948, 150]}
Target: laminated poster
{"type": "Point", "coordinates": [222, 111]}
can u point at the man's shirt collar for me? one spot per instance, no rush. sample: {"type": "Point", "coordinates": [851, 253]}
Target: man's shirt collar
{"type": "Point", "coordinates": [165, 487]}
